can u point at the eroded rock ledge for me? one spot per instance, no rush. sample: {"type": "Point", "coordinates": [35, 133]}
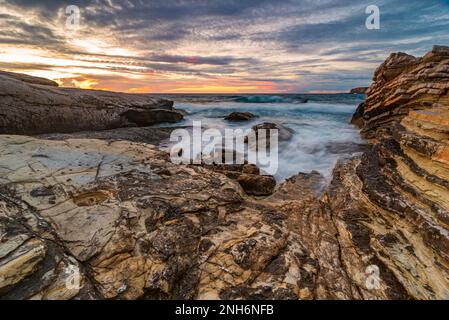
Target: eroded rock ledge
{"type": "Point", "coordinates": [31, 106]}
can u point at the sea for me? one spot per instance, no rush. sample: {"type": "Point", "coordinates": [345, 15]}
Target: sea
{"type": "Point", "coordinates": [321, 124]}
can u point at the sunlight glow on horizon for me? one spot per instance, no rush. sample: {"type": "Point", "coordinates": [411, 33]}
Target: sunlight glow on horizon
{"type": "Point", "coordinates": [171, 47]}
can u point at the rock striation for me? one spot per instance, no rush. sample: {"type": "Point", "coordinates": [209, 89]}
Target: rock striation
{"type": "Point", "coordinates": [397, 193]}
{"type": "Point", "coordinates": [30, 105]}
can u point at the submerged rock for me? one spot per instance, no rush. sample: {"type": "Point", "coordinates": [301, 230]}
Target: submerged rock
{"type": "Point", "coordinates": [284, 133]}
{"type": "Point", "coordinates": [240, 116]}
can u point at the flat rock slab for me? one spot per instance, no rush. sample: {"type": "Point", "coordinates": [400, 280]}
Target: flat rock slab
{"type": "Point", "coordinates": [31, 106]}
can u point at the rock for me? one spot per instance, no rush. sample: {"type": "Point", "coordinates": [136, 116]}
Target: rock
{"type": "Point", "coordinates": [128, 224]}
{"type": "Point", "coordinates": [240, 116]}
{"type": "Point", "coordinates": [150, 135]}
{"type": "Point", "coordinates": [29, 107]}
{"type": "Point", "coordinates": [257, 185]}
{"type": "Point", "coordinates": [22, 261]}
{"type": "Point", "coordinates": [359, 90]}
{"type": "Point", "coordinates": [93, 219]}
{"type": "Point", "coordinates": [28, 79]}
{"type": "Point", "coordinates": [248, 176]}
{"type": "Point", "coordinates": [151, 117]}
{"type": "Point", "coordinates": [357, 118]}
{"type": "Point", "coordinates": [284, 133]}
{"type": "Point", "coordinates": [390, 203]}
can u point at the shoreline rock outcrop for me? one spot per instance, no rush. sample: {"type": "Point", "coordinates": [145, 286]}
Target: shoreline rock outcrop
{"type": "Point", "coordinates": [359, 90]}
{"type": "Point", "coordinates": [32, 106]}
{"type": "Point", "coordinates": [240, 116]}
{"type": "Point", "coordinates": [396, 193]}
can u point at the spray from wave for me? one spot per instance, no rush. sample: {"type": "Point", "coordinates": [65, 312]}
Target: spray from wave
{"type": "Point", "coordinates": [322, 130]}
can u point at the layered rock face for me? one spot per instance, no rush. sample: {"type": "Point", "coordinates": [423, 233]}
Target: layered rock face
{"type": "Point", "coordinates": [30, 105]}
{"type": "Point", "coordinates": [397, 194]}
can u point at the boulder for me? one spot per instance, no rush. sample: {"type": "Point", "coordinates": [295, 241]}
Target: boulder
{"type": "Point", "coordinates": [240, 116]}
{"type": "Point", "coordinates": [284, 133]}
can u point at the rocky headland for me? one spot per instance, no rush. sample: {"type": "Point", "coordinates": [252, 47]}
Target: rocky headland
{"type": "Point", "coordinates": [359, 90]}
{"type": "Point", "coordinates": [86, 197]}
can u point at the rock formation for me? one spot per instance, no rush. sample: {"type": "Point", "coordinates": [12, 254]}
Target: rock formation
{"type": "Point", "coordinates": [89, 219]}
{"type": "Point", "coordinates": [359, 90]}
{"type": "Point", "coordinates": [240, 116]}
{"type": "Point", "coordinates": [396, 195]}
{"type": "Point", "coordinates": [31, 106]}
{"type": "Point", "coordinates": [267, 128]}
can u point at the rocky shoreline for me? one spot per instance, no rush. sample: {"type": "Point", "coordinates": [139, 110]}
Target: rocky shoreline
{"type": "Point", "coordinates": [95, 202]}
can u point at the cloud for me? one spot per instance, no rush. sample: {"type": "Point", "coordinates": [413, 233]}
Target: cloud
{"type": "Point", "coordinates": [301, 45]}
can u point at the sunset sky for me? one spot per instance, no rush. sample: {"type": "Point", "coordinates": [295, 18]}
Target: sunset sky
{"type": "Point", "coordinates": [226, 46]}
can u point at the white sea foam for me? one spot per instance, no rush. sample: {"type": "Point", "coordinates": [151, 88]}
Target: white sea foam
{"type": "Point", "coordinates": [322, 130]}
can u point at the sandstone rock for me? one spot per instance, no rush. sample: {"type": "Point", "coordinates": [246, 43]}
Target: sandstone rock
{"type": "Point", "coordinates": [248, 176]}
{"type": "Point", "coordinates": [240, 116]}
{"type": "Point", "coordinates": [91, 219]}
{"type": "Point", "coordinates": [357, 118]}
{"type": "Point", "coordinates": [391, 203]}
{"type": "Point", "coordinates": [30, 106]}
{"type": "Point", "coordinates": [257, 185]}
{"type": "Point", "coordinates": [403, 83]}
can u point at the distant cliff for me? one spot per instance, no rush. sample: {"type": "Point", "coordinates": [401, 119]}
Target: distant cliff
{"type": "Point", "coordinates": [359, 90]}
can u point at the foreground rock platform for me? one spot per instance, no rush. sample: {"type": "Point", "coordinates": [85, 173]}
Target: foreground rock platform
{"type": "Point", "coordinates": [132, 225]}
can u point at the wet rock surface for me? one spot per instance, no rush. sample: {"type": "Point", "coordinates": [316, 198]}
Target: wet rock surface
{"type": "Point", "coordinates": [150, 135]}
{"type": "Point", "coordinates": [263, 133]}
{"type": "Point", "coordinates": [240, 116]}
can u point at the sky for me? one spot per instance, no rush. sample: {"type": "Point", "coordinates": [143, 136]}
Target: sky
{"type": "Point", "coordinates": [224, 46]}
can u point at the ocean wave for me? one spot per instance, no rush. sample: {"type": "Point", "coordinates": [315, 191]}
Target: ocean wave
{"type": "Point", "coordinates": [298, 99]}
{"type": "Point", "coordinates": [269, 99]}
